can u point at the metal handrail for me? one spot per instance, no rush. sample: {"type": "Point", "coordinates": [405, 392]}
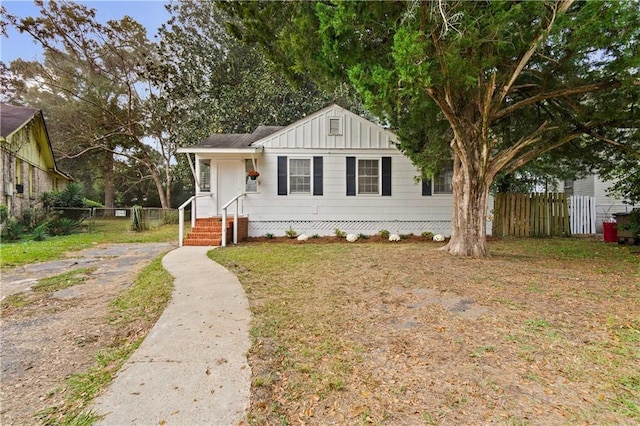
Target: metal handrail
{"type": "Point", "coordinates": [193, 216]}
{"type": "Point", "coordinates": [235, 220]}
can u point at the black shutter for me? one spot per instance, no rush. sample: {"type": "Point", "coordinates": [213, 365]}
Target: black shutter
{"type": "Point", "coordinates": [317, 175]}
{"type": "Point", "coordinates": [282, 175]}
{"type": "Point", "coordinates": [351, 175]}
{"type": "Point", "coordinates": [426, 186]}
{"type": "Point", "coordinates": [386, 176]}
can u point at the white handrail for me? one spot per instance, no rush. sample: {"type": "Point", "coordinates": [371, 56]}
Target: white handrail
{"type": "Point", "coordinates": [193, 215]}
{"type": "Point", "coordinates": [235, 220]}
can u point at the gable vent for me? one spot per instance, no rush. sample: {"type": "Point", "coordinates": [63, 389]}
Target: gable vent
{"type": "Point", "coordinates": [335, 126]}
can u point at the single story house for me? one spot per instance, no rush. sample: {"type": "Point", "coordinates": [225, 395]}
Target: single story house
{"type": "Point", "coordinates": [330, 170]}
{"type": "Point", "coordinates": [28, 166]}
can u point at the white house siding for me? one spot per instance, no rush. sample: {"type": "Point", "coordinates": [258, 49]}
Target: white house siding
{"type": "Point", "coordinates": [405, 211]}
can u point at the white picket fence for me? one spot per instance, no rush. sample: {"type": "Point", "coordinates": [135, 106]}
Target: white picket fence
{"type": "Point", "coordinates": [582, 214]}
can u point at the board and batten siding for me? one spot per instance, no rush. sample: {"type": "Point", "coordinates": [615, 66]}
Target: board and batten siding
{"type": "Point", "coordinates": [313, 133]}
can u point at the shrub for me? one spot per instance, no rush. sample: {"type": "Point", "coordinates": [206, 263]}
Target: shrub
{"type": "Point", "coordinates": [40, 232]}
{"type": "Point", "coordinates": [33, 217]}
{"type": "Point", "coordinates": [384, 234]}
{"type": "Point", "coordinates": [427, 234]}
{"type": "Point", "coordinates": [339, 233]}
{"type": "Point", "coordinates": [362, 236]}
{"type": "Point", "coordinates": [291, 233]}
{"type": "Point", "coordinates": [4, 213]}
{"type": "Point", "coordinates": [71, 196]}
{"type": "Point", "coordinates": [314, 236]}
{"type": "Point", "coordinates": [268, 236]}
{"type": "Point", "coordinates": [63, 226]}
{"type": "Point", "coordinates": [13, 230]}
{"type": "Point", "coordinates": [90, 203]}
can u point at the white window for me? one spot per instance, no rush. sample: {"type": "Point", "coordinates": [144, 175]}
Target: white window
{"type": "Point", "coordinates": [205, 175]}
{"type": "Point", "coordinates": [335, 126]}
{"type": "Point", "coordinates": [443, 181]}
{"type": "Point", "coordinates": [368, 176]}
{"type": "Point", "coordinates": [300, 176]}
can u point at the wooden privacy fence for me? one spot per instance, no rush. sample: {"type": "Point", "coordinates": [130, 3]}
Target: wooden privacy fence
{"type": "Point", "coordinates": [531, 215]}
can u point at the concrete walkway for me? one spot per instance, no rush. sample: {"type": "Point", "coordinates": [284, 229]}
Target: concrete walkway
{"type": "Point", "coordinates": [192, 367]}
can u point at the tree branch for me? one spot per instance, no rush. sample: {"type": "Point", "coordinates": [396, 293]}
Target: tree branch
{"type": "Point", "coordinates": [561, 8]}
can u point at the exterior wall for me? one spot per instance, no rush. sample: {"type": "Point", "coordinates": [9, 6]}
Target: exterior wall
{"type": "Point", "coordinates": [405, 211]}
{"type": "Point", "coordinates": [26, 153]}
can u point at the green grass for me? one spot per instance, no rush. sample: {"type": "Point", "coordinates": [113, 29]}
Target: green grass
{"type": "Point", "coordinates": [133, 313]}
{"type": "Point", "coordinates": [103, 231]}
{"type": "Point", "coordinates": [46, 286]}
{"type": "Point", "coordinates": [62, 281]}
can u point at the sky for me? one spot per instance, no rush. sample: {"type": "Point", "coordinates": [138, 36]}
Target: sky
{"type": "Point", "coordinates": [150, 13]}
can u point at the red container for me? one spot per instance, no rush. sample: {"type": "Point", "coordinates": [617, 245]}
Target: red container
{"type": "Point", "coordinates": [610, 232]}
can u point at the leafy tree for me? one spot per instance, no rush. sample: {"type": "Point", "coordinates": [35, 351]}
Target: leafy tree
{"type": "Point", "coordinates": [92, 80]}
{"type": "Point", "coordinates": [209, 82]}
{"type": "Point", "coordinates": [491, 85]}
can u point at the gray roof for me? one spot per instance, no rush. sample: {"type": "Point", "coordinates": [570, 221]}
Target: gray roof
{"type": "Point", "coordinates": [12, 117]}
{"type": "Point", "coordinates": [237, 140]}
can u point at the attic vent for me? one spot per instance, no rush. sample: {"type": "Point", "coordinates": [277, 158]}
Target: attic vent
{"type": "Point", "coordinates": [335, 126]}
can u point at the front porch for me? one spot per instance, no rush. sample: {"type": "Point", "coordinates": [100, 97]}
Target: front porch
{"type": "Point", "coordinates": [209, 231]}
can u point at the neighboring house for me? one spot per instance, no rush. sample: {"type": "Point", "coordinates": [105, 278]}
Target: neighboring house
{"type": "Point", "coordinates": [594, 186]}
{"type": "Point", "coordinates": [332, 169]}
{"type": "Point", "coordinates": [27, 166]}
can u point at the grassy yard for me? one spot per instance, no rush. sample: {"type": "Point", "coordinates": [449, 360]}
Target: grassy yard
{"type": "Point", "coordinates": [102, 231]}
{"type": "Point", "coordinates": [547, 331]}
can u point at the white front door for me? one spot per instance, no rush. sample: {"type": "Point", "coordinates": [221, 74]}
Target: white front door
{"type": "Point", "coordinates": [228, 182]}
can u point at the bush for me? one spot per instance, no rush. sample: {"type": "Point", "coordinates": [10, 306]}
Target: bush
{"type": "Point", "coordinates": [63, 226]}
{"type": "Point", "coordinates": [33, 217]}
{"type": "Point", "coordinates": [71, 196]}
{"type": "Point", "coordinates": [40, 232]}
{"type": "Point", "coordinates": [90, 203]}
{"type": "Point", "coordinates": [12, 230]}
{"type": "Point", "coordinates": [268, 236]}
{"type": "Point", "coordinates": [427, 234]}
{"type": "Point", "coordinates": [384, 234]}
{"type": "Point", "coordinates": [339, 233]}
{"type": "Point", "coordinates": [4, 213]}
{"type": "Point", "coordinates": [291, 233]}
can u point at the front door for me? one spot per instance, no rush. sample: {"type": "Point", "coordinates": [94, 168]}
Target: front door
{"type": "Point", "coordinates": [228, 182]}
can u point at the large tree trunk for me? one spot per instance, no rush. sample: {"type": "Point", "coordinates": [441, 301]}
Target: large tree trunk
{"type": "Point", "coordinates": [469, 219]}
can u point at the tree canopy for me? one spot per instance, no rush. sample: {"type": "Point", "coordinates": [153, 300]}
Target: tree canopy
{"type": "Point", "coordinates": [490, 85]}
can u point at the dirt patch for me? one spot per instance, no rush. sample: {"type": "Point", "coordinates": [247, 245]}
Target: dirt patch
{"type": "Point", "coordinates": [46, 338]}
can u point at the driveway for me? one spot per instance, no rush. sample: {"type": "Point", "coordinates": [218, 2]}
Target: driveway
{"type": "Point", "coordinates": [58, 335]}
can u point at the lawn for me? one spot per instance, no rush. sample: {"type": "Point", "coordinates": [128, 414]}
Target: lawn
{"type": "Point", "coordinates": [102, 232]}
{"type": "Point", "coordinates": [547, 331]}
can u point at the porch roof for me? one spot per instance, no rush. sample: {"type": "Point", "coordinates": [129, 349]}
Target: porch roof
{"type": "Point", "coordinates": [232, 142]}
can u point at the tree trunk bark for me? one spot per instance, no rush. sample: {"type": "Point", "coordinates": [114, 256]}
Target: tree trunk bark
{"type": "Point", "coordinates": [109, 189]}
{"type": "Point", "coordinates": [468, 224]}
{"type": "Point", "coordinates": [158, 182]}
